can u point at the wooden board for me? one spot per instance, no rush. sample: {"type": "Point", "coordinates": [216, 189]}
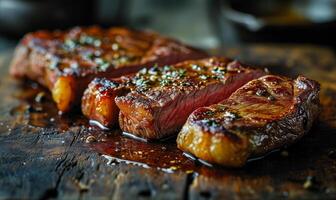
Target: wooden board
{"type": "Point", "coordinates": [44, 157]}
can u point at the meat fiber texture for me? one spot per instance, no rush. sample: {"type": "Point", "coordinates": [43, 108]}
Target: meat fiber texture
{"type": "Point", "coordinates": [263, 115]}
{"type": "Point", "coordinates": [66, 61]}
{"type": "Point", "coordinates": [155, 103]}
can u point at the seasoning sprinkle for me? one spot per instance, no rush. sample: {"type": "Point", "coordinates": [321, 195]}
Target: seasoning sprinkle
{"type": "Point", "coordinates": [204, 77]}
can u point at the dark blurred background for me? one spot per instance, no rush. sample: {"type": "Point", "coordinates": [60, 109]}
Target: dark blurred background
{"type": "Point", "coordinates": [202, 23]}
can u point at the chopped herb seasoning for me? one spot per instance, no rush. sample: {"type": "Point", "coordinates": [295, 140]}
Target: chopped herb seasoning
{"type": "Point", "coordinates": [231, 115]}
{"type": "Point", "coordinates": [70, 44]}
{"type": "Point", "coordinates": [166, 68]}
{"type": "Point", "coordinates": [74, 65]}
{"type": "Point", "coordinates": [108, 83]}
{"type": "Point", "coordinates": [217, 77]}
{"type": "Point", "coordinates": [115, 47]}
{"type": "Point", "coordinates": [209, 113]}
{"type": "Point", "coordinates": [153, 78]}
{"type": "Point", "coordinates": [103, 67]}
{"type": "Point", "coordinates": [102, 64]}
{"type": "Point", "coordinates": [182, 73]}
{"type": "Point", "coordinates": [196, 67]}
{"type": "Point", "coordinates": [219, 70]}
{"type": "Point", "coordinates": [174, 74]}
{"type": "Point", "coordinates": [154, 70]}
{"type": "Point", "coordinates": [210, 122]}
{"type": "Point", "coordinates": [165, 82]}
{"type": "Point", "coordinates": [98, 60]}
{"type": "Point", "coordinates": [143, 71]}
{"type": "Point", "coordinates": [124, 59]}
{"type": "Point", "coordinates": [89, 40]}
{"type": "Point", "coordinates": [169, 75]}
{"type": "Point", "coordinates": [89, 56]}
{"type": "Point", "coordinates": [54, 63]}
{"type": "Point", "coordinates": [204, 77]}
{"type": "Point", "coordinates": [141, 82]}
{"type": "Point", "coordinates": [165, 76]}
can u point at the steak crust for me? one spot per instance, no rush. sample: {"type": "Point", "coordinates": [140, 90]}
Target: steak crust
{"type": "Point", "coordinates": [263, 115]}
{"type": "Point", "coordinates": [155, 103]}
{"type": "Point", "coordinates": [66, 61]}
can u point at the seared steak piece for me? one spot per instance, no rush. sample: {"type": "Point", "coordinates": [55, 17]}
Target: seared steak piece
{"type": "Point", "coordinates": [66, 61]}
{"type": "Point", "coordinates": [156, 102]}
{"type": "Point", "coordinates": [263, 115]}
{"type": "Point", "coordinates": [98, 102]}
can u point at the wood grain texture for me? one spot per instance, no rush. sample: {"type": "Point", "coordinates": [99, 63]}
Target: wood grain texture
{"type": "Point", "coordinates": [39, 161]}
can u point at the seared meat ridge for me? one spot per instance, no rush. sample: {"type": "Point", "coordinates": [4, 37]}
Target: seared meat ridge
{"type": "Point", "coordinates": [156, 102]}
{"type": "Point", "coordinates": [66, 61]}
{"type": "Point", "coordinates": [263, 115]}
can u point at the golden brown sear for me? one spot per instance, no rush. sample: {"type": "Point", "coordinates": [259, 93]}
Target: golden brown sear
{"type": "Point", "coordinates": [263, 115]}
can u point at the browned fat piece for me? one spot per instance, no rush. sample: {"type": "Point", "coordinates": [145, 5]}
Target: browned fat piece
{"type": "Point", "coordinates": [263, 115]}
{"type": "Point", "coordinates": [155, 102]}
{"type": "Point", "coordinates": [66, 61]}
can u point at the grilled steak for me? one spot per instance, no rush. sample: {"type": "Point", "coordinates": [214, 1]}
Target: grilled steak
{"type": "Point", "coordinates": [66, 61]}
{"type": "Point", "coordinates": [156, 102]}
{"type": "Point", "coordinates": [263, 115]}
{"type": "Point", "coordinates": [98, 102]}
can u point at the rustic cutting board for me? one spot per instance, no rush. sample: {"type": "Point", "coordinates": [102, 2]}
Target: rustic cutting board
{"type": "Point", "coordinates": [43, 155]}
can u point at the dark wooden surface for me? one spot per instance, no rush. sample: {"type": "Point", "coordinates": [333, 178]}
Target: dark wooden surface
{"type": "Point", "coordinates": [44, 157]}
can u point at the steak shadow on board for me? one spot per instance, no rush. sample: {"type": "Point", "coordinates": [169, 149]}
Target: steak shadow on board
{"type": "Point", "coordinates": [66, 61]}
{"type": "Point", "coordinates": [263, 115]}
{"type": "Point", "coordinates": [155, 103]}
